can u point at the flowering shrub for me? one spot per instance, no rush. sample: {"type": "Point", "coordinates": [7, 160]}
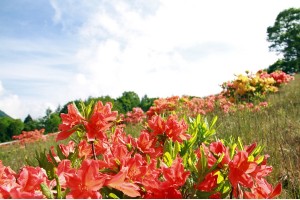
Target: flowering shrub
{"type": "Point", "coordinates": [251, 88]}
{"type": "Point", "coordinates": [173, 157]}
{"type": "Point", "coordinates": [30, 136]}
{"type": "Point", "coordinates": [279, 76]}
{"type": "Point", "coordinates": [136, 116]}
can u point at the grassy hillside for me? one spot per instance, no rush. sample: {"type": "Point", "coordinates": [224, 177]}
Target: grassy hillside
{"type": "Point", "coordinates": [277, 127]}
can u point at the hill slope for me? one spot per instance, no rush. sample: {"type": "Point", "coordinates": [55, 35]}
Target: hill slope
{"type": "Point", "coordinates": [278, 128]}
{"type": "Point", "coordinates": [3, 114]}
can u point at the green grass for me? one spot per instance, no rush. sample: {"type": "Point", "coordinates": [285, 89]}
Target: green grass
{"type": "Point", "coordinates": [277, 127]}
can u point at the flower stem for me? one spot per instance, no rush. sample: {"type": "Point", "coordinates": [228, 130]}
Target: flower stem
{"type": "Point", "coordinates": [93, 149]}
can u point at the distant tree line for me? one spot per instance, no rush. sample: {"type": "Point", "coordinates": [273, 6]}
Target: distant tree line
{"type": "Point", "coordinates": [50, 122]}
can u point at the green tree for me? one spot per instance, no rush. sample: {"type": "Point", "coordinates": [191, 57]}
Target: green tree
{"type": "Point", "coordinates": [146, 103]}
{"type": "Point", "coordinates": [52, 122]}
{"type": "Point", "coordinates": [4, 124]}
{"type": "Point", "coordinates": [28, 119]}
{"type": "Point", "coordinates": [10, 127]}
{"type": "Point", "coordinates": [15, 128]}
{"type": "Point", "coordinates": [284, 37]}
{"type": "Point", "coordinates": [129, 100]}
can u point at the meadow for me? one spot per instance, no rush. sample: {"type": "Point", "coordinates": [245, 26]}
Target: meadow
{"type": "Point", "coordinates": [276, 127]}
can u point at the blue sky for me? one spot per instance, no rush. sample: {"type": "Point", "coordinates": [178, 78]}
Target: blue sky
{"type": "Point", "coordinates": [55, 51]}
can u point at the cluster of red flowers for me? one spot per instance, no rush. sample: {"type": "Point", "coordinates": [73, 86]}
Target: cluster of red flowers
{"type": "Point", "coordinates": [30, 136]}
{"type": "Point", "coordinates": [163, 105]}
{"type": "Point", "coordinates": [136, 116]}
{"type": "Point", "coordinates": [279, 76]}
{"type": "Point", "coordinates": [165, 161]}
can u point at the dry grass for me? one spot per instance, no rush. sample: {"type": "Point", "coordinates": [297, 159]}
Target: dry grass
{"type": "Point", "coordinates": [278, 128]}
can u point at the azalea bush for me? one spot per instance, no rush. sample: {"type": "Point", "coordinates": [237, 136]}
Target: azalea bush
{"type": "Point", "coordinates": [30, 136]}
{"type": "Point", "coordinates": [175, 156]}
{"type": "Point", "coordinates": [254, 87]}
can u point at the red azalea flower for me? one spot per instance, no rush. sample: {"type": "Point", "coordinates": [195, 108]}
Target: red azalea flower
{"type": "Point", "coordinates": [157, 125]}
{"type": "Point", "coordinates": [144, 143]}
{"type": "Point", "coordinates": [64, 168]}
{"type": "Point", "coordinates": [176, 130]}
{"type": "Point", "coordinates": [137, 168]}
{"type": "Point", "coordinates": [218, 148]}
{"type": "Point", "coordinates": [118, 182]}
{"type": "Point", "coordinates": [175, 175]}
{"type": "Point", "coordinates": [7, 181]}
{"type": "Point", "coordinates": [69, 121]}
{"type": "Point", "coordinates": [67, 149]}
{"type": "Point", "coordinates": [165, 193]}
{"type": "Point", "coordinates": [100, 121]}
{"type": "Point", "coordinates": [209, 183]}
{"type": "Point", "coordinates": [29, 181]}
{"type": "Point", "coordinates": [239, 171]}
{"type": "Point", "coordinates": [86, 181]}
{"type": "Point", "coordinates": [84, 149]}
{"type": "Point", "coordinates": [263, 190]}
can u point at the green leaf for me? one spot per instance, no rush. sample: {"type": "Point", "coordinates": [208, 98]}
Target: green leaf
{"type": "Point", "coordinates": [177, 148]}
{"type": "Point", "coordinates": [45, 164]}
{"type": "Point", "coordinates": [232, 150]}
{"type": "Point", "coordinates": [214, 120]}
{"type": "Point", "coordinates": [240, 144]}
{"type": "Point", "coordinates": [260, 159]}
{"type": "Point", "coordinates": [46, 191]}
{"type": "Point", "coordinates": [113, 196]}
{"type": "Point", "coordinates": [168, 159]}
{"type": "Point", "coordinates": [59, 153]}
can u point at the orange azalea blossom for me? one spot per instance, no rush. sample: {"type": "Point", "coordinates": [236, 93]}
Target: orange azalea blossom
{"type": "Point", "coordinates": [136, 116]}
{"type": "Point", "coordinates": [67, 149]}
{"type": "Point", "coordinates": [120, 182]}
{"type": "Point", "coordinates": [29, 181]}
{"type": "Point", "coordinates": [157, 125]}
{"type": "Point", "coordinates": [69, 122]}
{"type": "Point", "coordinates": [7, 181]}
{"type": "Point", "coordinates": [218, 148]}
{"type": "Point", "coordinates": [174, 177]}
{"type": "Point", "coordinates": [175, 130]}
{"type": "Point", "coordinates": [64, 168]}
{"type": "Point", "coordinates": [209, 183]}
{"type": "Point", "coordinates": [86, 181]}
{"type": "Point", "coordinates": [84, 150]}
{"type": "Point", "coordinates": [100, 121]}
{"type": "Point", "coordinates": [263, 190]}
{"type": "Point", "coordinates": [162, 105]}
{"type": "Point", "coordinates": [239, 171]}
{"type": "Point", "coordinates": [144, 143]}
{"type": "Point", "coordinates": [137, 168]}
{"type": "Point", "coordinates": [30, 136]}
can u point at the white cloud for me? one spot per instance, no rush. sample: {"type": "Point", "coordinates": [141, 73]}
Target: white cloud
{"type": "Point", "coordinates": [151, 55]}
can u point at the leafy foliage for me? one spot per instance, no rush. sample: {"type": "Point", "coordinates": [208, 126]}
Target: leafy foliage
{"type": "Point", "coordinates": [284, 37]}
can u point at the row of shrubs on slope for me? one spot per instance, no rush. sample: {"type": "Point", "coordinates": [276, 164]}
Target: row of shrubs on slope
{"type": "Point", "coordinates": [247, 91]}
